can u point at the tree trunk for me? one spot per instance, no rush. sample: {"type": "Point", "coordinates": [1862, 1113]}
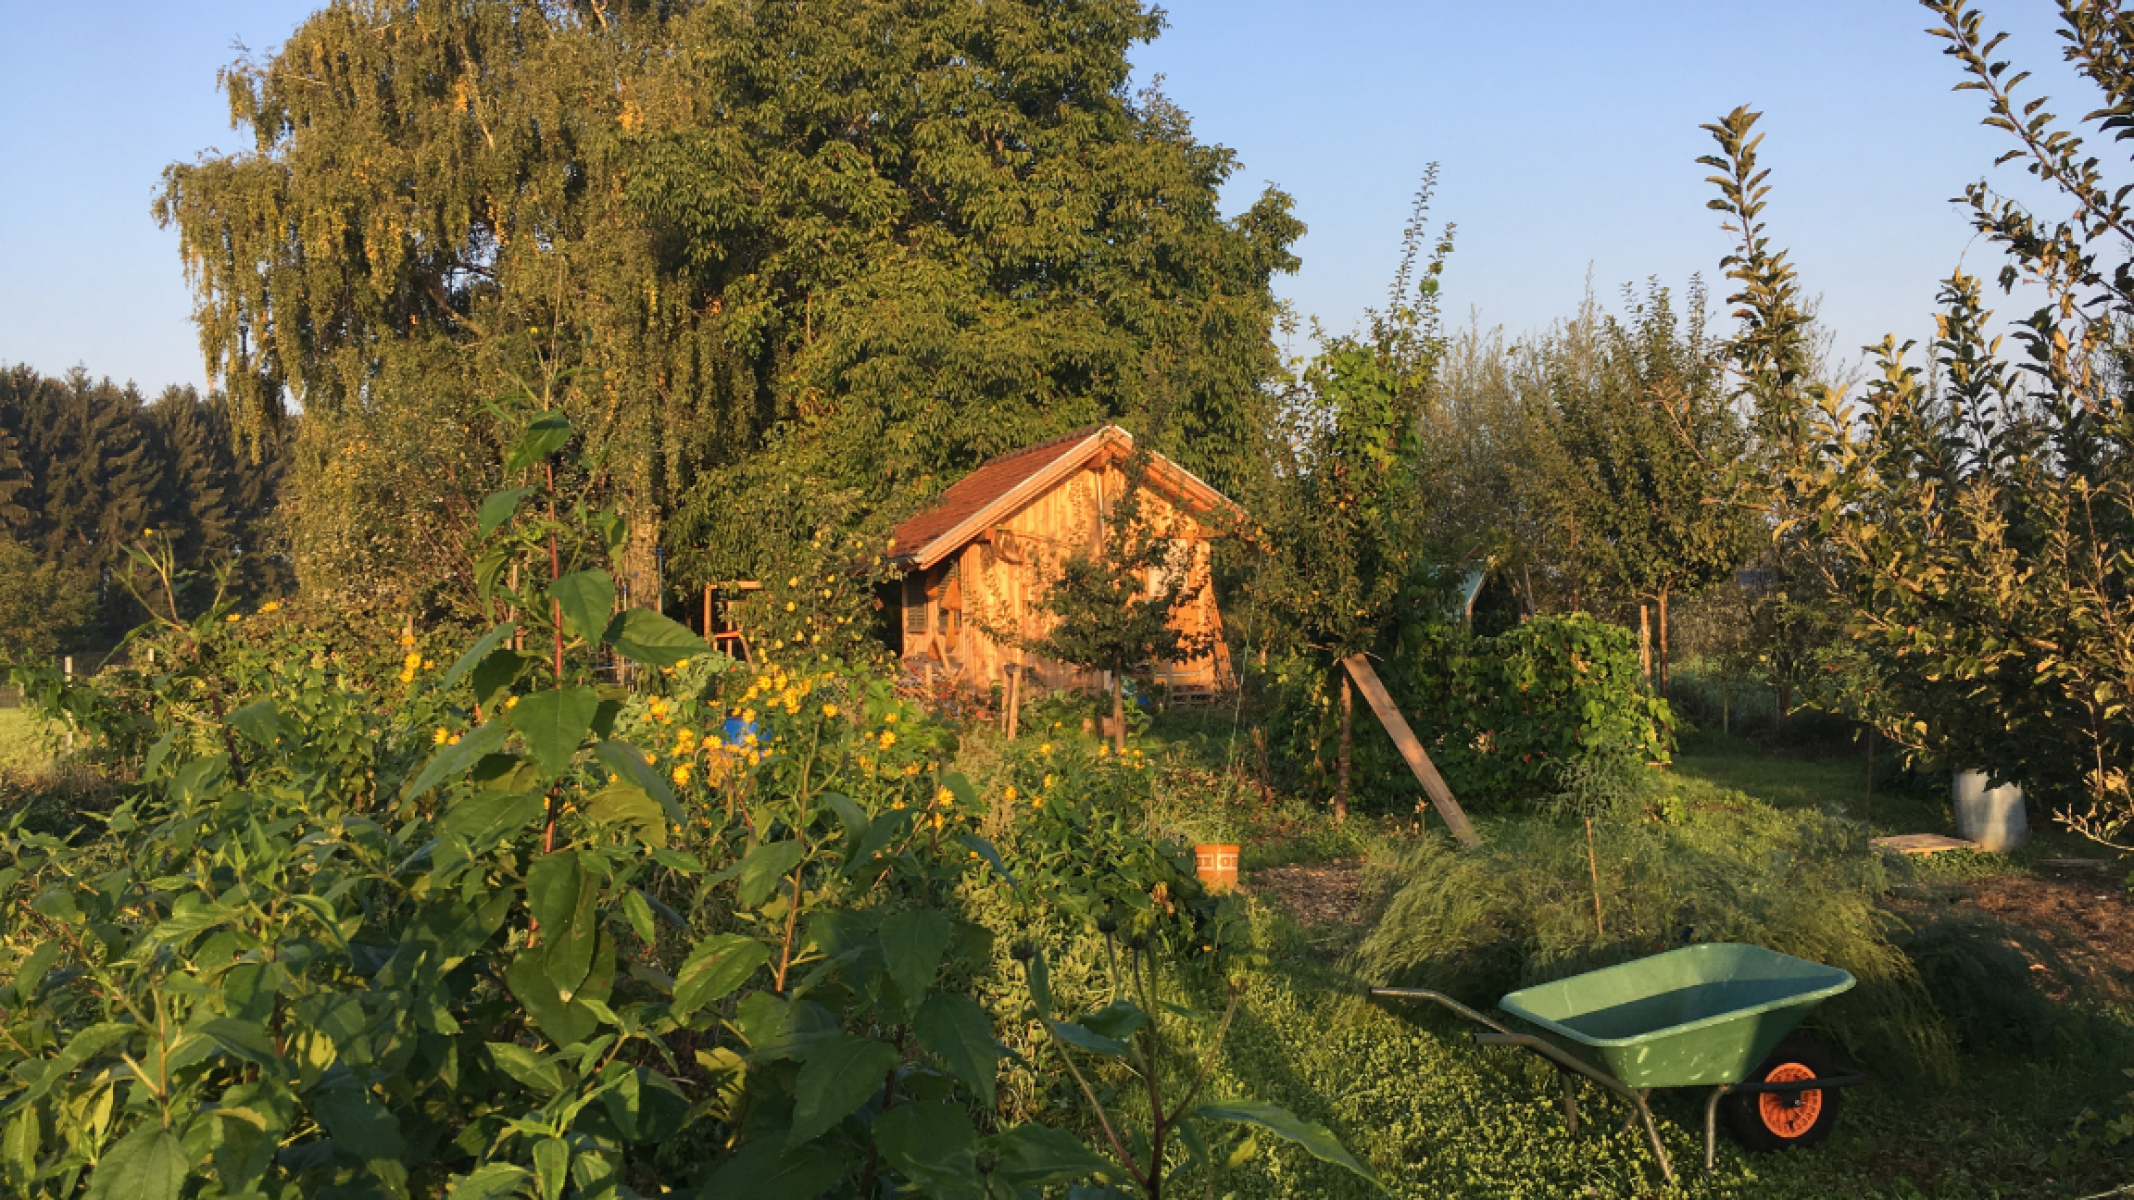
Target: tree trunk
{"type": "Point", "coordinates": [1645, 641]}
{"type": "Point", "coordinates": [1118, 712]}
{"type": "Point", "coordinates": [1341, 766]}
{"type": "Point", "coordinates": [1666, 658]}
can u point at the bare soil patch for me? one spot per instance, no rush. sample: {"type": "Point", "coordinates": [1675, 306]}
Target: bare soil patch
{"type": "Point", "coordinates": [2085, 940]}
{"type": "Point", "coordinates": [1315, 895]}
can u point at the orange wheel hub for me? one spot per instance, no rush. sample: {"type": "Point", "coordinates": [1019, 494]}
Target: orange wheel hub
{"type": "Point", "coordinates": [1789, 1120]}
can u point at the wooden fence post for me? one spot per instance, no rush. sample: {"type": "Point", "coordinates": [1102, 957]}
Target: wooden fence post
{"type": "Point", "coordinates": [1359, 668]}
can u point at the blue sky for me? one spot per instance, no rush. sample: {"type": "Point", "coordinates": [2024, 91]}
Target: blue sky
{"type": "Point", "coordinates": [1567, 133]}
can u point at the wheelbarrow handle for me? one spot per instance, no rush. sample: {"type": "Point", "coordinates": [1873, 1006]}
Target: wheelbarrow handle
{"type": "Point", "coordinates": [1393, 993]}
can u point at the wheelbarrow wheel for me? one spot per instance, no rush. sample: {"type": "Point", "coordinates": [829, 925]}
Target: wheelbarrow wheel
{"type": "Point", "coordinates": [1767, 1121]}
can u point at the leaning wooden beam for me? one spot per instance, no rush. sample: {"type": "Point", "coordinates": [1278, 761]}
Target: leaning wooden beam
{"type": "Point", "coordinates": [1359, 669]}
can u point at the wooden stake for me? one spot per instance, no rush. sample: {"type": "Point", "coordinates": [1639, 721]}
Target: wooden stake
{"type": "Point", "coordinates": [1593, 865]}
{"type": "Point", "coordinates": [1645, 641]}
{"type": "Point", "coordinates": [1015, 696]}
{"type": "Point", "coordinates": [1341, 770]}
{"type": "Point", "coordinates": [1419, 762]}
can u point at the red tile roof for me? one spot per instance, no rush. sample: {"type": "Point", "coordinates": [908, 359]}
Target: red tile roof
{"type": "Point", "coordinates": [972, 494]}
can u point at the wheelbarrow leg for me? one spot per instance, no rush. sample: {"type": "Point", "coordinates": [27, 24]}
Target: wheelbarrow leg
{"type": "Point", "coordinates": [1652, 1133]}
{"type": "Point", "coordinates": [1711, 1125]}
{"type": "Point", "coordinates": [1570, 1101]}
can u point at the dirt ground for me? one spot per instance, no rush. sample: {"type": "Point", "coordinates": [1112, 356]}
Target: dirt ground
{"type": "Point", "coordinates": [1314, 895]}
{"type": "Point", "coordinates": [2080, 920]}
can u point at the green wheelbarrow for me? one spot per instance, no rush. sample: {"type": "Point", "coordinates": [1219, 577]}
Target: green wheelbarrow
{"type": "Point", "coordinates": [1720, 1015]}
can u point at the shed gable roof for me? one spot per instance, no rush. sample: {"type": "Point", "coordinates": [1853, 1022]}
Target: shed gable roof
{"type": "Point", "coordinates": [1003, 485]}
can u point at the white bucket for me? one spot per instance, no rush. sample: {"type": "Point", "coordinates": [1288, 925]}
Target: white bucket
{"type": "Point", "coordinates": [1994, 818]}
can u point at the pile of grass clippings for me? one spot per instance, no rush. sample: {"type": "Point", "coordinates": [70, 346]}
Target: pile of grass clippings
{"type": "Point", "coordinates": [1688, 865]}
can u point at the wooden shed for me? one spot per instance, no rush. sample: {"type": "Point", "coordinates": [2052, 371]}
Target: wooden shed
{"type": "Point", "coordinates": [981, 557]}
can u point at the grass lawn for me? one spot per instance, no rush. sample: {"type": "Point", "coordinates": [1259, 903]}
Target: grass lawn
{"type": "Point", "coordinates": [22, 745]}
{"type": "Point", "coordinates": [1438, 1117]}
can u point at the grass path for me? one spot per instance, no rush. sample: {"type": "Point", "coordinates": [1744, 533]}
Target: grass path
{"type": "Point", "coordinates": [22, 747]}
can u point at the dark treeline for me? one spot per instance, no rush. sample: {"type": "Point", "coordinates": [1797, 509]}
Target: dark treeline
{"type": "Point", "coordinates": [87, 466]}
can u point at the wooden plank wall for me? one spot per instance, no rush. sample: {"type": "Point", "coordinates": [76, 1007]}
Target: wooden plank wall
{"type": "Point", "coordinates": [1001, 594]}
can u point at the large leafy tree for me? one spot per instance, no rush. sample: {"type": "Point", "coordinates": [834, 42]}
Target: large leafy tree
{"type": "Point", "coordinates": [860, 244]}
{"type": "Point", "coordinates": [1632, 433]}
{"type": "Point", "coordinates": [1974, 514]}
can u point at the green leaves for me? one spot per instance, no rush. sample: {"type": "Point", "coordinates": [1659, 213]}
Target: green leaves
{"type": "Point", "coordinates": [587, 599]}
{"type": "Point", "coordinates": [476, 653]}
{"type": "Point", "coordinates": [543, 437]}
{"type": "Point", "coordinates": [912, 942]}
{"type": "Point", "coordinates": [932, 1145]}
{"type": "Point", "coordinates": [764, 1170]}
{"type": "Point", "coordinates": [564, 897]}
{"type": "Point", "coordinates": [554, 724]}
{"type": "Point", "coordinates": [840, 1074]}
{"type": "Point", "coordinates": [498, 507]}
{"type": "Point", "coordinates": [644, 636]}
{"type": "Point", "coordinates": [958, 1031]}
{"type": "Point", "coordinates": [456, 760]}
{"type": "Point", "coordinates": [763, 868]}
{"type": "Point", "coordinates": [1315, 1138]}
{"type": "Point", "coordinates": [151, 1163]}
{"type": "Point", "coordinates": [1031, 1156]}
{"type": "Point", "coordinates": [714, 969]}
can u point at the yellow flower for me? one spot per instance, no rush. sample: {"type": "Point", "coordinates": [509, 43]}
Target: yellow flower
{"type": "Point", "coordinates": [1103, 749]}
{"type": "Point", "coordinates": [427, 665]}
{"type": "Point", "coordinates": [453, 740]}
{"type": "Point", "coordinates": [829, 710]}
{"type": "Point", "coordinates": [750, 740]}
{"type": "Point", "coordinates": [682, 665]}
{"type": "Point", "coordinates": [1048, 781]}
{"type": "Point", "coordinates": [937, 820]}
{"type": "Point", "coordinates": [407, 677]}
{"type": "Point", "coordinates": [888, 739]}
{"type": "Point", "coordinates": [1009, 795]}
{"type": "Point", "coordinates": [911, 768]}
{"type": "Point", "coordinates": [659, 705]}
{"type": "Point", "coordinates": [789, 606]}
{"type": "Point", "coordinates": [889, 719]}
{"type": "Point", "coordinates": [945, 798]}
{"type": "Point", "coordinates": [438, 738]}
{"type": "Point", "coordinates": [235, 617]}
{"type": "Point", "coordinates": [269, 606]}
{"type": "Point", "coordinates": [681, 775]}
{"type": "Point", "coordinates": [511, 702]}
{"type": "Point", "coordinates": [1045, 748]}
{"type": "Point", "coordinates": [748, 716]}
{"type": "Point", "coordinates": [792, 583]}
{"type": "Point", "coordinates": [407, 639]}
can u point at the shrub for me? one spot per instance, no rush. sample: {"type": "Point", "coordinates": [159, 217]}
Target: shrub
{"type": "Point", "coordinates": [1501, 717]}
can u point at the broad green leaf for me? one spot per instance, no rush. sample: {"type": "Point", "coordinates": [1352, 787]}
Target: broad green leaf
{"type": "Point", "coordinates": [490, 815]}
{"type": "Point", "coordinates": [912, 942]}
{"type": "Point", "coordinates": [456, 760]}
{"type": "Point", "coordinates": [623, 803]}
{"type": "Point", "coordinates": [552, 1165]}
{"type": "Point", "coordinates": [359, 1124]}
{"type": "Point", "coordinates": [1119, 1019]}
{"type": "Point", "coordinates": [849, 814]}
{"type": "Point", "coordinates": [628, 762]}
{"type": "Point", "coordinates": [84, 1047]}
{"type": "Point", "coordinates": [34, 967]}
{"type": "Point", "coordinates": [564, 898]}
{"type": "Point", "coordinates": [476, 653]}
{"type": "Point", "coordinates": [151, 1163]}
{"type": "Point", "coordinates": [18, 1150]}
{"type": "Point", "coordinates": [841, 1073]}
{"type": "Point", "coordinates": [554, 724]}
{"type": "Point", "coordinates": [242, 1039]}
{"type": "Point", "coordinates": [543, 437]}
{"type": "Point", "coordinates": [260, 721]}
{"type": "Point", "coordinates": [490, 1182]}
{"type": "Point", "coordinates": [1316, 1139]}
{"type": "Point", "coordinates": [644, 636]}
{"type": "Point", "coordinates": [763, 1171]}
{"type": "Point", "coordinates": [763, 869]}
{"type": "Point", "coordinates": [958, 1031]}
{"type": "Point", "coordinates": [1084, 1039]}
{"type": "Point", "coordinates": [639, 911]}
{"type": "Point", "coordinates": [536, 1071]}
{"type": "Point", "coordinates": [1039, 977]}
{"type": "Point", "coordinates": [566, 1022]}
{"type": "Point", "coordinates": [496, 673]}
{"type": "Point", "coordinates": [587, 599]}
{"type": "Point", "coordinates": [1030, 1156]}
{"type": "Point", "coordinates": [645, 1105]}
{"type": "Point", "coordinates": [497, 508]}
{"type": "Point", "coordinates": [717, 966]}
{"type": "Point", "coordinates": [933, 1146]}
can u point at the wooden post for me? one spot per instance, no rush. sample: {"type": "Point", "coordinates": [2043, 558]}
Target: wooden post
{"type": "Point", "coordinates": [1341, 762]}
{"type": "Point", "coordinates": [707, 612]}
{"type": "Point", "coordinates": [1015, 696]}
{"type": "Point", "coordinates": [1419, 762]}
{"type": "Point", "coordinates": [1645, 641]}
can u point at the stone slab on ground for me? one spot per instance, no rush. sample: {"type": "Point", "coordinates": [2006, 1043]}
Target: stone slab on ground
{"type": "Point", "coordinates": [1921, 843]}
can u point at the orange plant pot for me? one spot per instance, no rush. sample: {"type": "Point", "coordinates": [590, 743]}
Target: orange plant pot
{"type": "Point", "coordinates": [1216, 866]}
